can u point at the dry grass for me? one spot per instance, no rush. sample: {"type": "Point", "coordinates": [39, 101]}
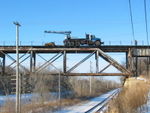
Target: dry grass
{"type": "Point", "coordinates": [132, 97]}
{"type": "Point", "coordinates": [48, 106]}
{"type": "Point", "coordinates": [9, 107]}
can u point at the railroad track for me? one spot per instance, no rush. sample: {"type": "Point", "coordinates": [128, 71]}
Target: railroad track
{"type": "Point", "coordinates": [96, 104]}
{"type": "Point", "coordinates": [101, 105]}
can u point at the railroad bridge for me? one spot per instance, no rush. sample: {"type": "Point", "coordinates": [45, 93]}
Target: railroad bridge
{"type": "Point", "coordinates": [32, 53]}
{"type": "Point", "coordinates": [132, 55]}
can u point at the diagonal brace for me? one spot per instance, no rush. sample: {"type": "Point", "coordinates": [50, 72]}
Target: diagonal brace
{"type": "Point", "coordinates": [83, 60]}
{"type": "Point", "coordinates": [49, 62]}
{"type": "Point", "coordinates": [105, 68]}
{"type": "Point", "coordinates": [113, 62]}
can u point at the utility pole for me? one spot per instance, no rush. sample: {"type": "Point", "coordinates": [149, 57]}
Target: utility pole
{"type": "Point", "coordinates": [59, 88]}
{"type": "Point", "coordinates": [18, 106]}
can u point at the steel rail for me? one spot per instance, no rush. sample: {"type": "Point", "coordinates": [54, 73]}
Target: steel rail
{"type": "Point", "coordinates": [100, 106]}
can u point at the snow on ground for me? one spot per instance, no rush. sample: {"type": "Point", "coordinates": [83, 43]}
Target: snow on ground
{"type": "Point", "coordinates": [27, 98]}
{"type": "Point", "coordinates": [24, 98]}
{"type": "Point", "coordinates": [145, 108]}
{"type": "Point", "coordinates": [85, 106]}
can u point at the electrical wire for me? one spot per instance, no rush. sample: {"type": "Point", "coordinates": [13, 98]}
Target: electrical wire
{"type": "Point", "coordinates": [131, 17]}
{"type": "Point", "coordinates": [145, 12]}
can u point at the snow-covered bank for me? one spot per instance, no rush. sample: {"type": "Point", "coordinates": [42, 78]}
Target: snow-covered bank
{"type": "Point", "coordinates": [27, 98]}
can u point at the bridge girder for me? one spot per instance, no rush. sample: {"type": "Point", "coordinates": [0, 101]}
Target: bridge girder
{"type": "Point", "coordinates": [35, 50]}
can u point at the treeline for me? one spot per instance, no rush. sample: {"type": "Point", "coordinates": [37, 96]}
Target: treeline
{"type": "Point", "coordinates": [45, 82]}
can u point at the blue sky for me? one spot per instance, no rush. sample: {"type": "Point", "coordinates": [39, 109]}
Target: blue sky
{"type": "Point", "coordinates": [107, 19]}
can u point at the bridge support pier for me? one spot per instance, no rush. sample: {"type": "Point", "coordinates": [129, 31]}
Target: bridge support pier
{"type": "Point", "coordinates": [32, 62]}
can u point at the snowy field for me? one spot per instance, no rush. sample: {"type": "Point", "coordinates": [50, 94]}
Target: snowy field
{"type": "Point", "coordinates": [27, 98]}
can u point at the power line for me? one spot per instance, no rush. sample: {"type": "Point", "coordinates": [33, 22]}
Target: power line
{"type": "Point", "coordinates": [145, 12]}
{"type": "Point", "coordinates": [131, 17]}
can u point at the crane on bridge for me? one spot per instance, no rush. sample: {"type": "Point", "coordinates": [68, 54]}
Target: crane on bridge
{"type": "Point", "coordinates": [90, 40]}
{"type": "Point", "coordinates": [67, 33]}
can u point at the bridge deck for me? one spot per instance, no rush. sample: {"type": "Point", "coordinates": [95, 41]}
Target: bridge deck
{"type": "Point", "coordinates": [84, 49]}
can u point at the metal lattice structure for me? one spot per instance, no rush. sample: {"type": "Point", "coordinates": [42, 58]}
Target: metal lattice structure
{"type": "Point", "coordinates": [31, 53]}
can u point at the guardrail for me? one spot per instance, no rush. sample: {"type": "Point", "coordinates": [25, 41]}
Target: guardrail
{"type": "Point", "coordinates": [39, 43]}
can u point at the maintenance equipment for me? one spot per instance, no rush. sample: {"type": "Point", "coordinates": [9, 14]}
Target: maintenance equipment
{"type": "Point", "coordinates": [50, 44]}
{"type": "Point", "coordinates": [90, 40]}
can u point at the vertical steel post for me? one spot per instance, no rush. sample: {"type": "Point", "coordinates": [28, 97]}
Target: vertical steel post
{"type": "Point", "coordinates": [127, 62]}
{"type": "Point", "coordinates": [130, 63]}
{"type": "Point", "coordinates": [3, 66]}
{"type": "Point", "coordinates": [31, 62]}
{"type": "Point", "coordinates": [64, 62]}
{"type": "Point", "coordinates": [17, 69]}
{"type": "Point", "coordinates": [34, 61]}
{"type": "Point", "coordinates": [97, 61]}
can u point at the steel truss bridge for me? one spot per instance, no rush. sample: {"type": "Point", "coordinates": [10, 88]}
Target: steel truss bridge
{"type": "Point", "coordinates": [132, 52]}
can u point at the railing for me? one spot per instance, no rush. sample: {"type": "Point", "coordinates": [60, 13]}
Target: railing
{"type": "Point", "coordinates": [39, 43]}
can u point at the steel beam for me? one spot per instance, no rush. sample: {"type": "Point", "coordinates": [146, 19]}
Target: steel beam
{"type": "Point", "coordinates": [43, 49]}
{"type": "Point", "coordinates": [47, 61]}
{"type": "Point", "coordinates": [64, 62]}
{"type": "Point", "coordinates": [32, 61]}
{"type": "Point", "coordinates": [127, 60]}
{"type": "Point", "coordinates": [130, 60]}
{"type": "Point", "coordinates": [105, 68]}
{"type": "Point", "coordinates": [13, 60]}
{"type": "Point", "coordinates": [97, 61]}
{"type": "Point", "coordinates": [54, 58]}
{"type": "Point", "coordinates": [19, 59]}
{"type": "Point", "coordinates": [113, 62]}
{"type": "Point", "coordinates": [93, 74]}
{"type": "Point", "coordinates": [3, 64]}
{"type": "Point", "coordinates": [61, 49]}
{"type": "Point", "coordinates": [22, 61]}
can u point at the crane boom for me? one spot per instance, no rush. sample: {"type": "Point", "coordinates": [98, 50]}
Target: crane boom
{"type": "Point", "coordinates": [67, 33]}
